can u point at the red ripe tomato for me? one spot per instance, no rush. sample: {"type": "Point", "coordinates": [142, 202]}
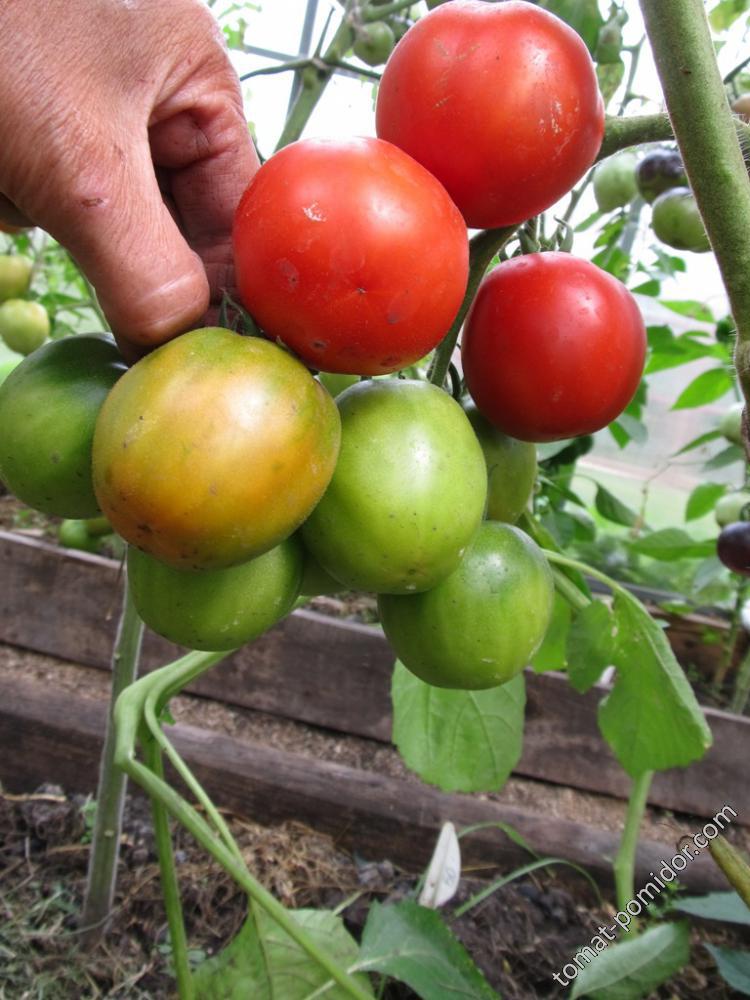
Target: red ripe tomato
{"type": "Point", "coordinates": [553, 347]}
{"type": "Point", "coordinates": [351, 254]}
{"type": "Point", "coordinates": [499, 101]}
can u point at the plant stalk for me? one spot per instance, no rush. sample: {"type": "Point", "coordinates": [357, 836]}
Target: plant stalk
{"type": "Point", "coordinates": [742, 686]}
{"type": "Point", "coordinates": [707, 136]}
{"type": "Point", "coordinates": [169, 883]}
{"type": "Point", "coordinates": [110, 796]}
{"type": "Point", "coordinates": [624, 864]}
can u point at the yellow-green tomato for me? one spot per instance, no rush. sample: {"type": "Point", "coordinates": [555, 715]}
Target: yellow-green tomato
{"type": "Point", "coordinates": [511, 469]}
{"type": "Point", "coordinates": [482, 625]}
{"type": "Point", "coordinates": [677, 222]}
{"type": "Point", "coordinates": [730, 425]}
{"type": "Point", "coordinates": [731, 507]}
{"type": "Point", "coordinates": [24, 325]}
{"type": "Point", "coordinates": [614, 182]}
{"type": "Point", "coordinates": [15, 275]}
{"type": "Point", "coordinates": [408, 493]}
{"type": "Point", "coordinates": [216, 609]}
{"type": "Point", "coordinates": [213, 449]}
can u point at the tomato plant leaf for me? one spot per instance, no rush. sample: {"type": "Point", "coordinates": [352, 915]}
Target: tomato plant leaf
{"type": "Point", "coordinates": [631, 969]}
{"type": "Point", "coordinates": [651, 718]}
{"type": "Point", "coordinates": [413, 944]}
{"type": "Point", "coordinates": [691, 308]}
{"type": "Point", "coordinates": [698, 442]}
{"type": "Point", "coordinates": [264, 963]}
{"type": "Point", "coordinates": [703, 500]}
{"type": "Point", "coordinates": [726, 12]}
{"type": "Point", "coordinates": [627, 428]}
{"type": "Point", "coordinates": [613, 509]}
{"type": "Point", "coordinates": [725, 906]}
{"type": "Point", "coordinates": [590, 645]}
{"type": "Point", "coordinates": [705, 388]}
{"type": "Point", "coordinates": [651, 288]}
{"type": "Point", "coordinates": [733, 966]}
{"type": "Point", "coordinates": [466, 741]}
{"type": "Point", "coordinates": [610, 76]}
{"type": "Point", "coordinates": [727, 456]}
{"type": "Point", "coordinates": [551, 653]}
{"type": "Point", "coordinates": [672, 543]}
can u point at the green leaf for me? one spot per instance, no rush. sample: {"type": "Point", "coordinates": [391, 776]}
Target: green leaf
{"type": "Point", "coordinates": [669, 544]}
{"type": "Point", "coordinates": [706, 388]}
{"type": "Point", "coordinates": [698, 442]}
{"type": "Point", "coordinates": [590, 645]}
{"type": "Point", "coordinates": [651, 287]}
{"type": "Point", "coordinates": [725, 906]}
{"type": "Point", "coordinates": [651, 718]}
{"type": "Point", "coordinates": [465, 741]}
{"type": "Point", "coordinates": [703, 500]}
{"type": "Point", "coordinates": [551, 653]}
{"type": "Point", "coordinates": [264, 963]}
{"type": "Point", "coordinates": [727, 456]}
{"type": "Point", "coordinates": [588, 222]}
{"type": "Point", "coordinates": [610, 76]}
{"type": "Point", "coordinates": [551, 448]}
{"type": "Point", "coordinates": [726, 12]}
{"type": "Point", "coordinates": [613, 509]}
{"type": "Point", "coordinates": [691, 308]}
{"type": "Point", "coordinates": [413, 944]}
{"type": "Point", "coordinates": [733, 966]}
{"type": "Point", "coordinates": [632, 969]}
{"type": "Point", "coordinates": [627, 428]}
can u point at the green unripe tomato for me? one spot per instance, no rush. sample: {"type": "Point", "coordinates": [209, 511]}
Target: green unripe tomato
{"type": "Point", "coordinates": [220, 608]}
{"type": "Point", "coordinates": [24, 325]}
{"type": "Point", "coordinates": [73, 534]}
{"type": "Point", "coordinates": [677, 222]}
{"type": "Point", "coordinates": [731, 507]}
{"type": "Point", "coordinates": [6, 367]}
{"type": "Point", "coordinates": [658, 172]}
{"type": "Point", "coordinates": [408, 491]}
{"type": "Point", "coordinates": [336, 382]}
{"type": "Point", "coordinates": [15, 276]}
{"type": "Point", "coordinates": [374, 43]}
{"type": "Point", "coordinates": [511, 469]}
{"type": "Point", "coordinates": [315, 580]}
{"type": "Point", "coordinates": [48, 409]}
{"type": "Point", "coordinates": [482, 625]}
{"type": "Point", "coordinates": [614, 182]}
{"type": "Point", "coordinates": [730, 424]}
{"type": "Point", "coordinates": [98, 526]}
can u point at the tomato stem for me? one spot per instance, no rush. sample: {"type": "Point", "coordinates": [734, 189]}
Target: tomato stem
{"type": "Point", "coordinates": [707, 136]}
{"type": "Point", "coordinates": [482, 248]}
{"type": "Point", "coordinates": [131, 718]}
{"type": "Point", "coordinates": [624, 863]}
{"type": "Point", "coordinates": [110, 796]}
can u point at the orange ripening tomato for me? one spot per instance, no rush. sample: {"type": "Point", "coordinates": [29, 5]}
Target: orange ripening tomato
{"type": "Point", "coordinates": [213, 449]}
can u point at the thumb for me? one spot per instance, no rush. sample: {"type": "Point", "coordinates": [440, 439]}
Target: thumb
{"type": "Point", "coordinates": [113, 220]}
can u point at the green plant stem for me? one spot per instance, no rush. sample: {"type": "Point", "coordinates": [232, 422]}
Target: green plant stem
{"type": "Point", "coordinates": [314, 81]}
{"type": "Point", "coordinates": [624, 864]}
{"type": "Point", "coordinates": [169, 884]}
{"type": "Point", "coordinates": [734, 628]}
{"type": "Point", "coordinates": [568, 590]}
{"type": "Point", "coordinates": [159, 687]}
{"type": "Point", "coordinates": [482, 248]}
{"type": "Point", "coordinates": [742, 686]}
{"type": "Point", "coordinates": [707, 136]}
{"type": "Point", "coordinates": [734, 866]}
{"type": "Point", "coordinates": [110, 796]}
{"type": "Point", "coordinates": [380, 13]}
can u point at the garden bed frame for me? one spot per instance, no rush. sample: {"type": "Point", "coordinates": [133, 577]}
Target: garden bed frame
{"type": "Point", "coordinates": [334, 674]}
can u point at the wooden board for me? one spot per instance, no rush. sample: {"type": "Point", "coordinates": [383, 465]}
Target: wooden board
{"type": "Point", "coordinates": [336, 674]}
{"type": "Point", "coordinates": [47, 738]}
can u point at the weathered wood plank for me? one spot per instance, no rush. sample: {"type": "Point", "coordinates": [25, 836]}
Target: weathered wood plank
{"type": "Point", "coordinates": [337, 675]}
{"type": "Point", "coordinates": [47, 738]}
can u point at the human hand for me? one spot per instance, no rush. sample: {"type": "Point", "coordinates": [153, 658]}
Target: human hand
{"type": "Point", "coordinates": [124, 137]}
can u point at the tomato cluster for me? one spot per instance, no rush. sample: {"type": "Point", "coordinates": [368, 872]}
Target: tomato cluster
{"type": "Point", "coordinates": [224, 461]}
